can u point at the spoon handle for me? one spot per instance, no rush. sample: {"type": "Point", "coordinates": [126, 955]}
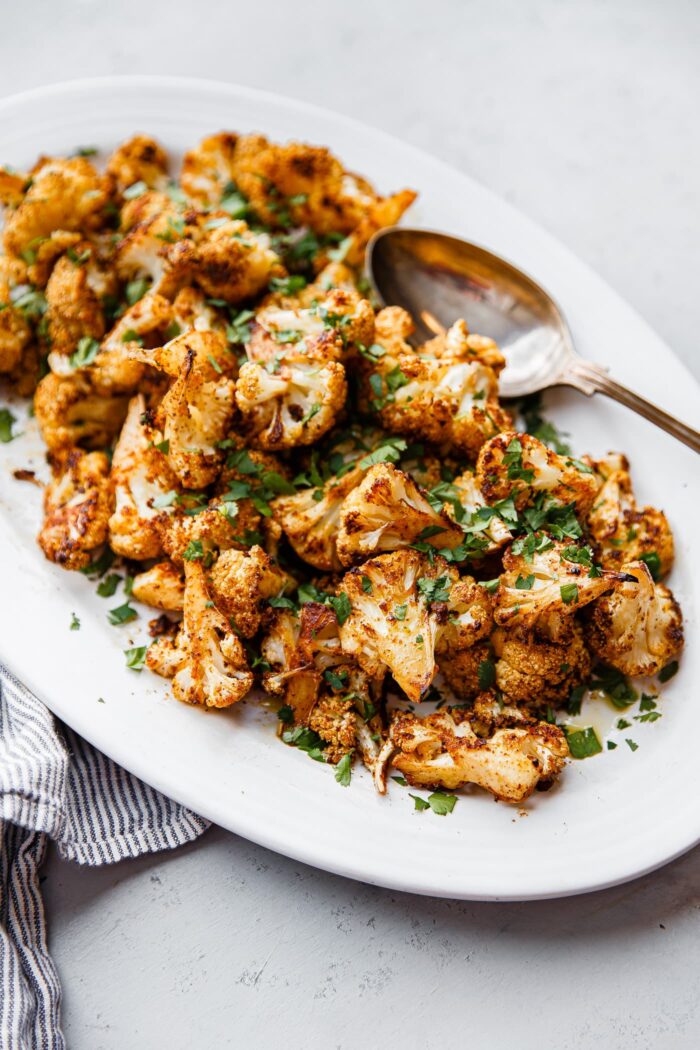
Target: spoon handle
{"type": "Point", "coordinates": [594, 379]}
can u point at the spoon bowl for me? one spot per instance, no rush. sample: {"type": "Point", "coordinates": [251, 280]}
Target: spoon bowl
{"type": "Point", "coordinates": [439, 279]}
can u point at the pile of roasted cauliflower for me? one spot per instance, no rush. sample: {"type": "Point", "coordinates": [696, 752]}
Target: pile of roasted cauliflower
{"type": "Point", "coordinates": [314, 504]}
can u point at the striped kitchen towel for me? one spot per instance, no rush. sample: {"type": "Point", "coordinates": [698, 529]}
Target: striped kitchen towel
{"type": "Point", "coordinates": [53, 784]}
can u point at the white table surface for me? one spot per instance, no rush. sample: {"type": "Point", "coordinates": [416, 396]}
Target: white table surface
{"type": "Point", "coordinates": [584, 114]}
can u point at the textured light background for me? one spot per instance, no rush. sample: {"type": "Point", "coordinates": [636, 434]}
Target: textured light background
{"type": "Point", "coordinates": [584, 114]}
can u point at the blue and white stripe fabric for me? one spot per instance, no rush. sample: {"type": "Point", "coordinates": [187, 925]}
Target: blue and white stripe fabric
{"type": "Point", "coordinates": [53, 784]}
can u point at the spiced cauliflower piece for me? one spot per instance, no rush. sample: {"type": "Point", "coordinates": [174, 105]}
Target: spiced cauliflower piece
{"type": "Point", "coordinates": [387, 511]}
{"type": "Point", "coordinates": [443, 751]}
{"type": "Point", "coordinates": [212, 670]}
{"type": "Point", "coordinates": [335, 721]}
{"type": "Point", "coordinates": [241, 583]}
{"type": "Point", "coordinates": [392, 328]}
{"type": "Point", "coordinates": [143, 487]}
{"type": "Point", "coordinates": [74, 311]}
{"type": "Point", "coordinates": [207, 170]}
{"type": "Point", "coordinates": [138, 160]}
{"type": "Point", "coordinates": [328, 328]}
{"type": "Point", "coordinates": [77, 504]}
{"type": "Point", "coordinates": [153, 226]}
{"type": "Point", "coordinates": [474, 508]}
{"type": "Point", "coordinates": [228, 262]}
{"type": "Point", "coordinates": [521, 466]}
{"type": "Point", "coordinates": [556, 579]}
{"type": "Point", "coordinates": [197, 411]}
{"type": "Point", "coordinates": [533, 670]}
{"type": "Point", "coordinates": [449, 403]}
{"type": "Point", "coordinates": [392, 624]}
{"type": "Point", "coordinates": [71, 412]}
{"type": "Point", "coordinates": [64, 194]}
{"type": "Point", "coordinates": [311, 523]}
{"type": "Point", "coordinates": [638, 628]}
{"type": "Point", "coordinates": [15, 330]}
{"type": "Point", "coordinates": [295, 405]}
{"type": "Point", "coordinates": [460, 669]}
{"type": "Point", "coordinates": [622, 531]}
{"type": "Point", "coordinates": [457, 343]}
{"type": "Point", "coordinates": [211, 526]}
{"type": "Point", "coordinates": [162, 586]}
{"type": "Point", "coordinates": [466, 617]}
{"type": "Point", "coordinates": [118, 366]}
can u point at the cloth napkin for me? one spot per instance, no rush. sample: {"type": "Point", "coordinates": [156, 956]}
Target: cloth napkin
{"type": "Point", "coordinates": [55, 785]}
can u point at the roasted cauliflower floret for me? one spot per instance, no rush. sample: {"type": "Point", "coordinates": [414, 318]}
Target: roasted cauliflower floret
{"type": "Point", "coordinates": [470, 498]}
{"type": "Point", "coordinates": [521, 466]}
{"type": "Point", "coordinates": [213, 670]}
{"type": "Point", "coordinates": [467, 615]}
{"type": "Point", "coordinates": [74, 310]}
{"type": "Point", "coordinates": [443, 751]}
{"type": "Point", "coordinates": [550, 581]}
{"type": "Point", "coordinates": [460, 669]}
{"type": "Point", "coordinates": [295, 405]}
{"type": "Point", "coordinates": [387, 511]}
{"type": "Point", "coordinates": [536, 671]}
{"type": "Point", "coordinates": [138, 160]}
{"type": "Point", "coordinates": [162, 586]}
{"type": "Point", "coordinates": [335, 721]}
{"type": "Point", "coordinates": [208, 169]}
{"type": "Point", "coordinates": [15, 330]}
{"type": "Point", "coordinates": [118, 367]}
{"type": "Point", "coordinates": [154, 225]}
{"type": "Point", "coordinates": [216, 526]}
{"type": "Point", "coordinates": [453, 404]}
{"type": "Point", "coordinates": [230, 262]}
{"type": "Point", "coordinates": [65, 194]}
{"type": "Point", "coordinates": [70, 412]}
{"type": "Point", "coordinates": [77, 505]}
{"type": "Point", "coordinates": [311, 524]}
{"type": "Point", "coordinates": [638, 628]}
{"type": "Point", "coordinates": [326, 330]}
{"type": "Point", "coordinates": [144, 487]}
{"type": "Point", "coordinates": [392, 624]}
{"type": "Point", "coordinates": [459, 344]}
{"type": "Point", "coordinates": [241, 582]}
{"type": "Point", "coordinates": [621, 530]}
{"type": "Point", "coordinates": [392, 327]}
{"type": "Point", "coordinates": [197, 411]}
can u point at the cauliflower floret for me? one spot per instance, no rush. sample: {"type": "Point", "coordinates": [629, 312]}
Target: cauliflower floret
{"type": "Point", "coordinates": [74, 310]}
{"type": "Point", "coordinates": [521, 466]}
{"type": "Point", "coordinates": [471, 499]}
{"type": "Point", "coordinates": [452, 403]}
{"type": "Point", "coordinates": [387, 511]}
{"type": "Point", "coordinates": [213, 671]}
{"type": "Point", "coordinates": [118, 367]}
{"type": "Point", "coordinates": [391, 625]}
{"type": "Point", "coordinates": [459, 344]}
{"type": "Point", "coordinates": [165, 655]}
{"type": "Point", "coordinates": [467, 616]}
{"type": "Point", "coordinates": [70, 412]}
{"type": "Point", "coordinates": [311, 524]}
{"type": "Point", "coordinates": [219, 526]}
{"type": "Point", "coordinates": [77, 505]}
{"type": "Point", "coordinates": [197, 411]}
{"type": "Point", "coordinates": [460, 669]}
{"type": "Point", "coordinates": [392, 327]}
{"type": "Point", "coordinates": [162, 586]}
{"type": "Point", "coordinates": [638, 628]}
{"type": "Point", "coordinates": [622, 532]}
{"type": "Point", "coordinates": [65, 194]}
{"type": "Point", "coordinates": [13, 186]}
{"type": "Point", "coordinates": [241, 582]}
{"type": "Point", "coordinates": [207, 170]}
{"type": "Point", "coordinates": [549, 581]}
{"type": "Point", "coordinates": [143, 482]}
{"type": "Point", "coordinates": [443, 751]}
{"type": "Point", "coordinates": [192, 310]}
{"type": "Point", "coordinates": [15, 330]}
{"type": "Point", "coordinates": [335, 721]}
{"type": "Point", "coordinates": [295, 405]}
{"type": "Point", "coordinates": [326, 330]}
{"type": "Point", "coordinates": [385, 211]}
{"type": "Point", "coordinates": [230, 262]}
{"type": "Point", "coordinates": [139, 159]}
{"type": "Point", "coordinates": [532, 670]}
{"type": "Point", "coordinates": [154, 225]}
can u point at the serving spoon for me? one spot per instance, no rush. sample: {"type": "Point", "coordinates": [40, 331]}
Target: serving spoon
{"type": "Point", "coordinates": [438, 279]}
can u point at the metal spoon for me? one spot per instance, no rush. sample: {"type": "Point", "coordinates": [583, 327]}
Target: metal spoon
{"type": "Point", "coordinates": [439, 279]}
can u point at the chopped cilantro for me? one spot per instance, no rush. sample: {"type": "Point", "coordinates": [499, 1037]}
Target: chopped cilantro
{"type": "Point", "coordinates": [653, 563]}
{"type": "Point", "coordinates": [486, 674]}
{"type": "Point", "coordinates": [122, 614]}
{"type": "Point", "coordinates": [419, 803]}
{"type": "Point", "coordinates": [108, 585]}
{"type": "Point", "coordinates": [668, 671]}
{"type": "Point", "coordinates": [74, 622]}
{"type": "Point", "coordinates": [524, 583]}
{"type": "Point", "coordinates": [7, 418]}
{"type": "Point", "coordinates": [434, 590]}
{"type": "Point", "coordinates": [86, 352]}
{"type": "Point", "coordinates": [631, 744]}
{"type": "Point", "coordinates": [341, 606]}
{"type": "Point", "coordinates": [137, 189]}
{"type": "Point", "coordinates": [366, 584]}
{"type": "Point", "coordinates": [136, 657]}
{"type": "Point", "coordinates": [569, 593]}
{"type": "Point", "coordinates": [582, 742]}
{"type": "Point", "coordinates": [400, 611]}
{"type": "Point", "coordinates": [343, 770]}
